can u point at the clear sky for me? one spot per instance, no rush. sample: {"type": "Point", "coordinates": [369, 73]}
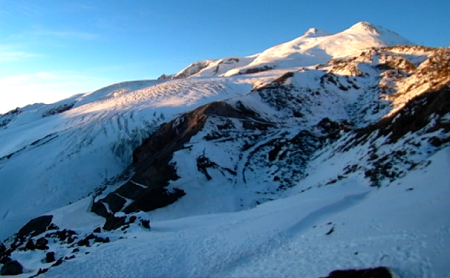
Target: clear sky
{"type": "Point", "coordinates": [51, 49]}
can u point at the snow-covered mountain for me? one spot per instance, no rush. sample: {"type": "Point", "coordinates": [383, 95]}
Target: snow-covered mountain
{"type": "Point", "coordinates": [314, 47]}
{"type": "Point", "coordinates": [327, 152]}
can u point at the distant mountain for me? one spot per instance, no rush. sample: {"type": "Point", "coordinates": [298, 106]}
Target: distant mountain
{"type": "Point", "coordinates": [329, 151]}
{"type": "Point", "coordinates": [314, 47]}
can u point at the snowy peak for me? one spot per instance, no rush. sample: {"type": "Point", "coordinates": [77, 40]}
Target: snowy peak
{"type": "Point", "coordinates": [365, 27]}
{"type": "Point", "coordinates": [314, 47]}
{"type": "Point", "coordinates": [385, 36]}
{"type": "Point", "coordinates": [317, 46]}
{"type": "Point", "coordinates": [314, 32]}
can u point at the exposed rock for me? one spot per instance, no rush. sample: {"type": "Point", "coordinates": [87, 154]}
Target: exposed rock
{"type": "Point", "coordinates": [5, 259]}
{"type": "Point", "coordinates": [30, 245]}
{"type": "Point", "coordinates": [379, 272]}
{"type": "Point", "coordinates": [65, 235]}
{"type": "Point", "coordinates": [193, 68]}
{"type": "Point", "coordinates": [41, 243]}
{"type": "Point", "coordinates": [40, 271]}
{"type": "Point", "coordinates": [115, 202]}
{"type": "Point", "coordinates": [330, 231]}
{"type": "Point", "coordinates": [100, 209]}
{"type": "Point", "coordinates": [35, 226]}
{"type": "Point", "coordinates": [60, 109]}
{"type": "Point", "coordinates": [12, 268]}
{"type": "Point", "coordinates": [151, 160]}
{"type": "Point", "coordinates": [165, 76]}
{"type": "Point", "coordinates": [97, 230]}
{"type": "Point", "coordinates": [256, 69]}
{"type": "Point", "coordinates": [154, 199]}
{"type": "Point", "coordinates": [414, 116]}
{"type": "Point", "coordinates": [50, 257]}
{"type": "Point", "coordinates": [58, 262]}
{"type": "Point", "coordinates": [101, 239]}
{"type": "Point", "coordinates": [2, 249]}
{"type": "Point", "coordinates": [5, 119]}
{"type": "Point", "coordinates": [145, 223]}
{"type": "Point", "coordinates": [113, 223]}
{"type": "Point", "coordinates": [84, 242]}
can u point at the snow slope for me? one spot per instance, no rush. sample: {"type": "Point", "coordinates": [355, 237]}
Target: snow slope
{"type": "Point", "coordinates": [333, 156]}
{"type": "Point", "coordinates": [288, 237]}
{"type": "Point", "coordinates": [47, 162]}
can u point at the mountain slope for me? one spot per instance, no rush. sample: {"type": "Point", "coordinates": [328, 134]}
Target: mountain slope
{"type": "Point", "coordinates": [66, 156]}
{"type": "Point", "coordinates": [279, 172]}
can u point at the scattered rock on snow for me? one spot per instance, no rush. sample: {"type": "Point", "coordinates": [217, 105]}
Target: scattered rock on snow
{"type": "Point", "coordinates": [12, 268]}
{"type": "Point", "coordinates": [330, 231]}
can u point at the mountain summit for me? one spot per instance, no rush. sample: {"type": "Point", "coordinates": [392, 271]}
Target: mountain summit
{"type": "Point", "coordinates": [314, 47]}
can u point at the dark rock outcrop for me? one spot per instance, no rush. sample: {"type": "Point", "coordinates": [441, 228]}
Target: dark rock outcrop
{"type": "Point", "coordinates": [115, 202]}
{"type": "Point", "coordinates": [153, 170]}
{"type": "Point", "coordinates": [413, 117]}
{"type": "Point", "coordinates": [256, 69]}
{"type": "Point", "coordinates": [30, 245]}
{"type": "Point", "coordinates": [145, 223]}
{"type": "Point", "coordinates": [99, 208]}
{"type": "Point", "coordinates": [113, 223]}
{"type": "Point", "coordinates": [12, 268]}
{"type": "Point", "coordinates": [2, 249]}
{"type": "Point", "coordinates": [41, 243]}
{"type": "Point", "coordinates": [379, 272]}
{"type": "Point", "coordinates": [68, 236]}
{"type": "Point", "coordinates": [50, 257]}
{"type": "Point", "coordinates": [35, 226]}
{"type": "Point", "coordinates": [60, 109]}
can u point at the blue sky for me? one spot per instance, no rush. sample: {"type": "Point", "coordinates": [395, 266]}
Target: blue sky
{"type": "Point", "coordinates": [51, 49]}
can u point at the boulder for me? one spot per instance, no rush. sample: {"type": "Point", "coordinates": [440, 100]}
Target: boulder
{"type": "Point", "coordinates": [41, 243]}
{"type": "Point", "coordinates": [35, 226]}
{"type": "Point", "coordinates": [145, 223]}
{"type": "Point", "coordinates": [50, 257]}
{"type": "Point", "coordinates": [12, 268]}
{"type": "Point", "coordinates": [113, 223]}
